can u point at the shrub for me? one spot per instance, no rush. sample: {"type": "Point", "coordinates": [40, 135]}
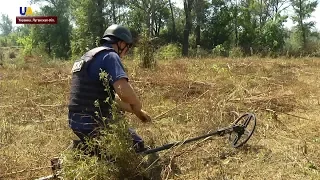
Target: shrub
{"type": "Point", "coordinates": [146, 52]}
{"type": "Point", "coordinates": [219, 50]}
{"type": "Point", "coordinates": [236, 52]}
{"type": "Point", "coordinates": [115, 143]}
{"type": "Point", "coordinates": [26, 42]}
{"type": "Point", "coordinates": [170, 51]}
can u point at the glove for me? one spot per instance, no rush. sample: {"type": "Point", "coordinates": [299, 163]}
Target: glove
{"type": "Point", "coordinates": [145, 116]}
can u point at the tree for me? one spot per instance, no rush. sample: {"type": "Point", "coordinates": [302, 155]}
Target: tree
{"type": "Point", "coordinates": [219, 27]}
{"type": "Point", "coordinates": [277, 6]}
{"type": "Point", "coordinates": [161, 15]}
{"type": "Point", "coordinates": [150, 13]}
{"type": "Point", "coordinates": [303, 10]}
{"type": "Point", "coordinates": [201, 7]}
{"type": "Point", "coordinates": [90, 21]}
{"type": "Point", "coordinates": [6, 25]}
{"type": "Point", "coordinates": [188, 6]}
{"type": "Point", "coordinates": [53, 38]}
{"type": "Point", "coordinates": [272, 36]}
{"type": "Point", "coordinates": [173, 36]}
{"type": "Point", "coordinates": [116, 6]}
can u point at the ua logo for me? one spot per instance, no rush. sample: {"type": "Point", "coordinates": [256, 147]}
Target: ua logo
{"type": "Point", "coordinates": [25, 11]}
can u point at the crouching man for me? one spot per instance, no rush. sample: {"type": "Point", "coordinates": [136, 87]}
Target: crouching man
{"type": "Point", "coordinates": [88, 90]}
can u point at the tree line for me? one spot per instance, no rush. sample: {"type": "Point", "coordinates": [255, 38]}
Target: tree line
{"type": "Point", "coordinates": [220, 27]}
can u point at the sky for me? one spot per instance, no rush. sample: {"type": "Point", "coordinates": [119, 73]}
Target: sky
{"type": "Point", "coordinates": [11, 7]}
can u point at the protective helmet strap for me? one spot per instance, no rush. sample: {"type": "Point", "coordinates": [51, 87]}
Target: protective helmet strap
{"type": "Point", "coordinates": [120, 49]}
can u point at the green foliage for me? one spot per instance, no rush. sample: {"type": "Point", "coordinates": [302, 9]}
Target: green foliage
{"type": "Point", "coordinates": [255, 26]}
{"type": "Point", "coordinates": [114, 142]}
{"type": "Point", "coordinates": [166, 33]}
{"type": "Point", "coordinates": [272, 37]}
{"type": "Point", "coordinates": [54, 39]}
{"type": "Point", "coordinates": [27, 44]}
{"type": "Point", "coordinates": [90, 25]}
{"type": "Point", "coordinates": [3, 41]}
{"type": "Point", "coordinates": [9, 40]}
{"type": "Point", "coordinates": [23, 30]}
{"type": "Point", "coordinates": [11, 57]}
{"type": "Point", "coordinates": [302, 11]}
{"type": "Point", "coordinates": [248, 35]}
{"type": "Point", "coordinates": [5, 25]}
{"type": "Point", "coordinates": [16, 38]}
{"type": "Point", "coordinates": [170, 51]}
{"type": "Point", "coordinates": [295, 48]}
{"type": "Point", "coordinates": [219, 26]}
{"type": "Point", "coordinates": [236, 52]}
{"type": "Point", "coordinates": [219, 50]}
{"type": "Point", "coordinates": [148, 14]}
{"type": "Point", "coordinates": [135, 19]}
{"type": "Point", "coordinates": [146, 51]}
{"type": "Point", "coordinates": [313, 45]}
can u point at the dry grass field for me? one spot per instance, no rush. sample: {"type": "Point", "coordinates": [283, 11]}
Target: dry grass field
{"type": "Point", "coordinates": [186, 97]}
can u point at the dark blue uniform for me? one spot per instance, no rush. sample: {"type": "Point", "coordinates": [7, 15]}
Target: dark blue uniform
{"type": "Point", "coordinates": [85, 123]}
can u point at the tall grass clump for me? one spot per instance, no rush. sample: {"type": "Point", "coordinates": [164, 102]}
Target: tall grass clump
{"type": "Point", "coordinates": [146, 51]}
{"type": "Point", "coordinates": [117, 158]}
{"type": "Point", "coordinates": [236, 52]}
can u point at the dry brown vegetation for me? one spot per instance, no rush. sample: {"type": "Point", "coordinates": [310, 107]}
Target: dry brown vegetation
{"type": "Point", "coordinates": [197, 95]}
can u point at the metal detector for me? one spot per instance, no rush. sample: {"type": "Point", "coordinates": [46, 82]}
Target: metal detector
{"type": "Point", "coordinates": [239, 133]}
